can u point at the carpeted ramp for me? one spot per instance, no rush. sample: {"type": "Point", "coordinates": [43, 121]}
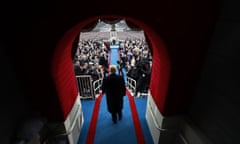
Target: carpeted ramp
{"type": "Point", "coordinates": [98, 127]}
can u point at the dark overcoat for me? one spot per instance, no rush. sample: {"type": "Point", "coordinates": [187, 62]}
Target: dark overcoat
{"type": "Point", "coordinates": [114, 88]}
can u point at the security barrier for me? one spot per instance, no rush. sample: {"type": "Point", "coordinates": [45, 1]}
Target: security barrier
{"type": "Point", "coordinates": [85, 86]}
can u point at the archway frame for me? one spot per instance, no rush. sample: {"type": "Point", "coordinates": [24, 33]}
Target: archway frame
{"type": "Point", "coordinates": [64, 77]}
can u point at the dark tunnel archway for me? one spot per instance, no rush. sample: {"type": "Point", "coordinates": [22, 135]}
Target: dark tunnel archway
{"type": "Point", "coordinates": [64, 77]}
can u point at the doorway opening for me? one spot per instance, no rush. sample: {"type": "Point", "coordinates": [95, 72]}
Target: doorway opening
{"type": "Point", "coordinates": [92, 55]}
{"type": "Point", "coordinates": [64, 56]}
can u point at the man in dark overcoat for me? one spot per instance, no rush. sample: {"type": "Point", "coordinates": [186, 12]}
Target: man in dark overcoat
{"type": "Point", "coordinates": [114, 87]}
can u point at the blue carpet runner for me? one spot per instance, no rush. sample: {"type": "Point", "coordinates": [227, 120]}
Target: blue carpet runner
{"type": "Point", "coordinates": [114, 56]}
{"type": "Point", "coordinates": [87, 108]}
{"type": "Point", "coordinates": [141, 104]}
{"type": "Point", "coordinates": [106, 131]}
{"type": "Point", "coordinates": [121, 133]}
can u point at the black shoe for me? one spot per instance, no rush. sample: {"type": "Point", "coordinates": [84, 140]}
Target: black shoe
{"type": "Point", "coordinates": [120, 118]}
{"type": "Point", "coordinates": [114, 119]}
{"type": "Point", "coordinates": [119, 115]}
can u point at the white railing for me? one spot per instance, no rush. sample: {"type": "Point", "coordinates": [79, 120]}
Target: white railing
{"type": "Point", "coordinates": [85, 86]}
{"type": "Point", "coordinates": [97, 86]}
{"type": "Point", "coordinates": [131, 85]}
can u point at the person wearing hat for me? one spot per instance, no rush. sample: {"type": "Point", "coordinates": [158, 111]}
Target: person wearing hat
{"type": "Point", "coordinates": [114, 87]}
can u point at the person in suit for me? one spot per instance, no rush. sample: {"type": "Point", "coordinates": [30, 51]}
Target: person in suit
{"type": "Point", "coordinates": [114, 87]}
{"type": "Point", "coordinates": [120, 67]}
{"type": "Point", "coordinates": [77, 68]}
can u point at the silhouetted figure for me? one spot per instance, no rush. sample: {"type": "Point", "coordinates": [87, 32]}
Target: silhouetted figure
{"type": "Point", "coordinates": [114, 88]}
{"type": "Point", "coordinates": [120, 67]}
{"type": "Point", "coordinates": [77, 68]}
{"type": "Point", "coordinates": [143, 79]}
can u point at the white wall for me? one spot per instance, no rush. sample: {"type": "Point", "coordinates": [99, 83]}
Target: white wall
{"type": "Point", "coordinates": [163, 129]}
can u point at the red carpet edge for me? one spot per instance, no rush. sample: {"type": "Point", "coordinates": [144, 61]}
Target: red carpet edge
{"type": "Point", "coordinates": [136, 121]}
{"type": "Point", "coordinates": [93, 123]}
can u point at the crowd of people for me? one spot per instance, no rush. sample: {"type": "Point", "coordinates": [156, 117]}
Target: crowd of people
{"type": "Point", "coordinates": [91, 58]}
{"type": "Point", "coordinates": [136, 58]}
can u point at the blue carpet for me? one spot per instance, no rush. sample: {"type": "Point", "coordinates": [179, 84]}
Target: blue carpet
{"type": "Point", "coordinates": [141, 104]}
{"type": "Point", "coordinates": [114, 56]}
{"type": "Point", "coordinates": [121, 133]}
{"type": "Point", "coordinates": [87, 108]}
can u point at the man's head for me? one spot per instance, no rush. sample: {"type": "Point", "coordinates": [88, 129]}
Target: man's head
{"type": "Point", "coordinates": [113, 69]}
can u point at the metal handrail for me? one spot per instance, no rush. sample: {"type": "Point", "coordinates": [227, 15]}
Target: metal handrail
{"type": "Point", "coordinates": [131, 84]}
{"type": "Point", "coordinates": [97, 85]}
